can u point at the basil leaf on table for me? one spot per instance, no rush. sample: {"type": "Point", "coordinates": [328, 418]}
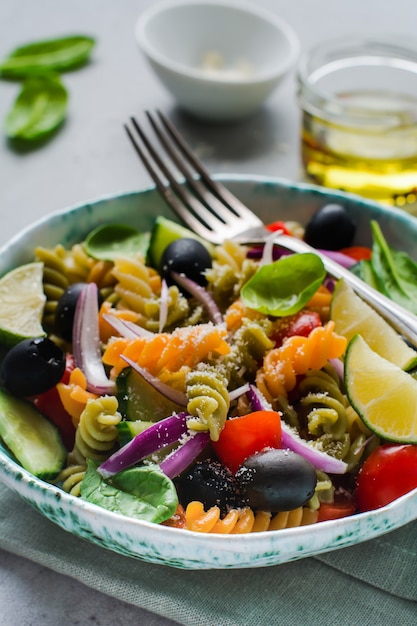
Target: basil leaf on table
{"type": "Point", "coordinates": [38, 109]}
{"type": "Point", "coordinates": [56, 55]}
{"type": "Point", "coordinates": [284, 287]}
{"type": "Point", "coordinates": [144, 492]}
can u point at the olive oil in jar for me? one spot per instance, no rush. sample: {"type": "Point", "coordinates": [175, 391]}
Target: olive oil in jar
{"type": "Point", "coordinates": [359, 125]}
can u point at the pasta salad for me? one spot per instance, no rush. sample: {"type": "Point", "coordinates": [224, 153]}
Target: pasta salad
{"type": "Point", "coordinates": [197, 386]}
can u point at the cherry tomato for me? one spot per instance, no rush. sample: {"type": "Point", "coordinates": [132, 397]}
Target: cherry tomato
{"type": "Point", "coordinates": [336, 510]}
{"type": "Point", "coordinates": [358, 253]}
{"type": "Point", "coordinates": [389, 472]}
{"type": "Point", "coordinates": [49, 403]}
{"type": "Point", "coordinates": [278, 225]}
{"type": "Point", "coordinates": [300, 324]}
{"type": "Point", "coordinates": [243, 436]}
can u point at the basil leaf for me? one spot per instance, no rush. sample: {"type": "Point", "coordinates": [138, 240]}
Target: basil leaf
{"type": "Point", "coordinates": [38, 109]}
{"type": "Point", "coordinates": [144, 492]}
{"type": "Point", "coordinates": [112, 240]}
{"type": "Point", "coordinates": [284, 287]}
{"type": "Point", "coordinates": [394, 271]}
{"type": "Point", "coordinates": [57, 55]}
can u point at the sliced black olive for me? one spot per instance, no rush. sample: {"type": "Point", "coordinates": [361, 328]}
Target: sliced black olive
{"type": "Point", "coordinates": [188, 257]}
{"type": "Point", "coordinates": [209, 482]}
{"type": "Point", "coordinates": [33, 366]}
{"type": "Point", "coordinates": [277, 480]}
{"type": "Point", "coordinates": [65, 310]}
{"type": "Point", "coordinates": [331, 228]}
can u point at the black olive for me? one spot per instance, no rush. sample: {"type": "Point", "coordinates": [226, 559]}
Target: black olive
{"type": "Point", "coordinates": [65, 310]}
{"type": "Point", "coordinates": [277, 480]}
{"type": "Point", "coordinates": [33, 366]}
{"type": "Point", "coordinates": [331, 228]}
{"type": "Point", "coordinates": [209, 482]}
{"type": "Point", "coordinates": [188, 257]}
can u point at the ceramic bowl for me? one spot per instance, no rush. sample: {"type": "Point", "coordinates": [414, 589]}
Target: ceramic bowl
{"type": "Point", "coordinates": [272, 199]}
{"type": "Point", "coordinates": [219, 59]}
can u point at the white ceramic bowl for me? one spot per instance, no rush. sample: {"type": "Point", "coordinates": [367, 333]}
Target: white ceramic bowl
{"type": "Point", "coordinates": [220, 59]}
{"type": "Point", "coordinates": [272, 199]}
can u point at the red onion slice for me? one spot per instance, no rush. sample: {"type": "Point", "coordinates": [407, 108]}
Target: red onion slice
{"type": "Point", "coordinates": [268, 251]}
{"type": "Point", "coordinates": [163, 307]}
{"type": "Point", "coordinates": [200, 294]}
{"type": "Point", "coordinates": [239, 391]}
{"type": "Point", "coordinates": [320, 460]}
{"type": "Point", "coordinates": [154, 438]}
{"type": "Point", "coordinates": [182, 457]}
{"type": "Point", "coordinates": [339, 368]}
{"type": "Point", "coordinates": [172, 394]}
{"type": "Point", "coordinates": [126, 329]}
{"type": "Point", "coordinates": [86, 342]}
{"type": "Point", "coordinates": [343, 259]}
{"type": "Point", "coordinates": [292, 440]}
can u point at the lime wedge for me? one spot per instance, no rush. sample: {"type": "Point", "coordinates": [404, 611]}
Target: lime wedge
{"type": "Point", "coordinates": [21, 304]}
{"type": "Point", "coordinates": [353, 316]}
{"type": "Point", "coordinates": [382, 394]}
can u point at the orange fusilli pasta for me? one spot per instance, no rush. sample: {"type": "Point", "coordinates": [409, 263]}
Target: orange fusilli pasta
{"type": "Point", "coordinates": [242, 521]}
{"type": "Point", "coordinates": [184, 347]}
{"type": "Point", "coordinates": [74, 395]}
{"type": "Point", "coordinates": [297, 355]}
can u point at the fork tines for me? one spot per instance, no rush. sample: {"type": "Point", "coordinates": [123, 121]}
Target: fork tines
{"type": "Point", "coordinates": [205, 205]}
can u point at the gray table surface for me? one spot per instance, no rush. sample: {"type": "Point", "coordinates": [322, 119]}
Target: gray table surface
{"type": "Point", "coordinates": [90, 157]}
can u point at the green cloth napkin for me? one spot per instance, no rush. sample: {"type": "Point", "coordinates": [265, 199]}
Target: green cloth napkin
{"type": "Point", "coordinates": [369, 584]}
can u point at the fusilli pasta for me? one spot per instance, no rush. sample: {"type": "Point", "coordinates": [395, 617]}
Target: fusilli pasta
{"type": "Point", "coordinates": [208, 399]}
{"type": "Point", "coordinates": [183, 347]}
{"type": "Point", "coordinates": [230, 271]}
{"type": "Point", "coordinates": [64, 267]}
{"type": "Point", "coordinates": [297, 355]}
{"type": "Point", "coordinates": [70, 478]}
{"type": "Point", "coordinates": [97, 434]}
{"type": "Point", "coordinates": [242, 521]}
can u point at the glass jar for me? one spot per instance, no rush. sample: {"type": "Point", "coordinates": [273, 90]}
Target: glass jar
{"type": "Point", "coordinates": [359, 127]}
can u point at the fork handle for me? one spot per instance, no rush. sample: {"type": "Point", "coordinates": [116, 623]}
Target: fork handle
{"type": "Point", "coordinates": [399, 318]}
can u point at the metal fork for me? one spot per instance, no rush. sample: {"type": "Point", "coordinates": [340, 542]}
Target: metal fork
{"type": "Point", "coordinates": [210, 210]}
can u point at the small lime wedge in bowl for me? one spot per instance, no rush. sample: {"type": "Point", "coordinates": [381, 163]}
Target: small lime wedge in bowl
{"type": "Point", "coordinates": [382, 394]}
{"type": "Point", "coordinates": [22, 301]}
{"type": "Point", "coordinates": [353, 316]}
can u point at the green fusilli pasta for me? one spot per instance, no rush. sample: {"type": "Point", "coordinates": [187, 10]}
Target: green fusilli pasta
{"type": "Point", "coordinates": [62, 268]}
{"type": "Point", "coordinates": [324, 411]}
{"type": "Point", "coordinates": [231, 270]}
{"type": "Point", "coordinates": [55, 280]}
{"type": "Point", "coordinates": [208, 399]}
{"type": "Point", "coordinates": [71, 478]}
{"type": "Point", "coordinates": [180, 312]}
{"type": "Point", "coordinates": [97, 434]}
{"type": "Point", "coordinates": [248, 345]}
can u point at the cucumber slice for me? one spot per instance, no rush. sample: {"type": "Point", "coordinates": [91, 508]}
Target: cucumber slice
{"type": "Point", "coordinates": [138, 400]}
{"type": "Point", "coordinates": [31, 437]}
{"type": "Point", "coordinates": [164, 232]}
{"type": "Point", "coordinates": [128, 430]}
